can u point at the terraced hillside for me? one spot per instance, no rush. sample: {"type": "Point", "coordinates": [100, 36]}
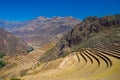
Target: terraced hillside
{"type": "Point", "coordinates": [90, 51]}
{"type": "Point", "coordinates": [100, 63]}
{"type": "Point", "coordinates": [19, 63]}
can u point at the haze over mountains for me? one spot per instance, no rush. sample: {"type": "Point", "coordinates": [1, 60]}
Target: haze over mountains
{"type": "Point", "coordinates": [41, 30]}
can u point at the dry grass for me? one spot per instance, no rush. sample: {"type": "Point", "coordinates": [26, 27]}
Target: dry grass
{"type": "Point", "coordinates": [88, 64]}
{"type": "Point", "coordinates": [100, 63]}
{"type": "Point", "coordinates": [19, 63]}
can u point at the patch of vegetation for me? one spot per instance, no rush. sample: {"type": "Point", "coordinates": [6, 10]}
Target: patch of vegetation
{"type": "Point", "coordinates": [23, 72]}
{"type": "Point", "coordinates": [64, 54]}
{"type": "Point", "coordinates": [15, 79]}
{"type": "Point", "coordinates": [31, 49]}
{"type": "Point", "coordinates": [2, 64]}
{"type": "Point", "coordinates": [2, 54]}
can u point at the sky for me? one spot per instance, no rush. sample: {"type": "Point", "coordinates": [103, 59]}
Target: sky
{"type": "Point", "coordinates": [21, 10]}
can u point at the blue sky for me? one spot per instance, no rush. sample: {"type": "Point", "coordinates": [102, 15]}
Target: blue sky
{"type": "Point", "coordinates": [28, 9]}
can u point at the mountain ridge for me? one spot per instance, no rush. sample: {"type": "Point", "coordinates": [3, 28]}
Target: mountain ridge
{"type": "Point", "coordinates": [90, 33]}
{"type": "Point", "coordinates": [41, 30]}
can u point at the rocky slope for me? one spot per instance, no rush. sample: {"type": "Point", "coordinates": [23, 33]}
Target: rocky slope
{"type": "Point", "coordinates": [90, 33]}
{"type": "Point", "coordinates": [43, 30]}
{"type": "Point", "coordinates": [10, 44]}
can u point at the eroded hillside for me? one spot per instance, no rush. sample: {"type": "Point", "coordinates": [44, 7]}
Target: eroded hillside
{"type": "Point", "coordinates": [11, 44]}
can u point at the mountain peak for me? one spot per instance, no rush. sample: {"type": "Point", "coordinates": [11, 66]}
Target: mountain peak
{"type": "Point", "coordinates": [41, 17]}
{"type": "Point", "coordinates": [57, 17]}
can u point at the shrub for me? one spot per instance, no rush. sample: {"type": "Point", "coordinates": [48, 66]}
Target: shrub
{"type": "Point", "coordinates": [15, 79]}
{"type": "Point", "coordinates": [2, 54]}
{"type": "Point", "coordinates": [23, 72]}
{"type": "Point", "coordinates": [2, 64]}
{"type": "Point", "coordinates": [31, 49]}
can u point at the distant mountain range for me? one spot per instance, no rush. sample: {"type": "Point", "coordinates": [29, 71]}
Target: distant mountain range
{"type": "Point", "coordinates": [41, 30]}
{"type": "Point", "coordinates": [11, 25]}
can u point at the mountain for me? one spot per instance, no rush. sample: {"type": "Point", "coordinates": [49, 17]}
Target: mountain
{"type": "Point", "coordinates": [11, 44]}
{"type": "Point", "coordinates": [90, 33]}
{"type": "Point", "coordinates": [11, 25]}
{"type": "Point", "coordinates": [42, 30]}
{"type": "Point", "coordinates": [90, 51]}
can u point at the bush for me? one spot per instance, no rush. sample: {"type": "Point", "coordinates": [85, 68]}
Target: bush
{"type": "Point", "coordinates": [2, 54]}
{"type": "Point", "coordinates": [31, 49]}
{"type": "Point", "coordinates": [23, 72]}
{"type": "Point", "coordinates": [15, 79]}
{"type": "Point", "coordinates": [2, 64]}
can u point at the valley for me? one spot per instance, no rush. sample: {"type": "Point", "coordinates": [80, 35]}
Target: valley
{"type": "Point", "coordinates": [88, 50]}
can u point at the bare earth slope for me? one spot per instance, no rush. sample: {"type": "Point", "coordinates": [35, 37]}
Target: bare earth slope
{"type": "Point", "coordinates": [10, 44]}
